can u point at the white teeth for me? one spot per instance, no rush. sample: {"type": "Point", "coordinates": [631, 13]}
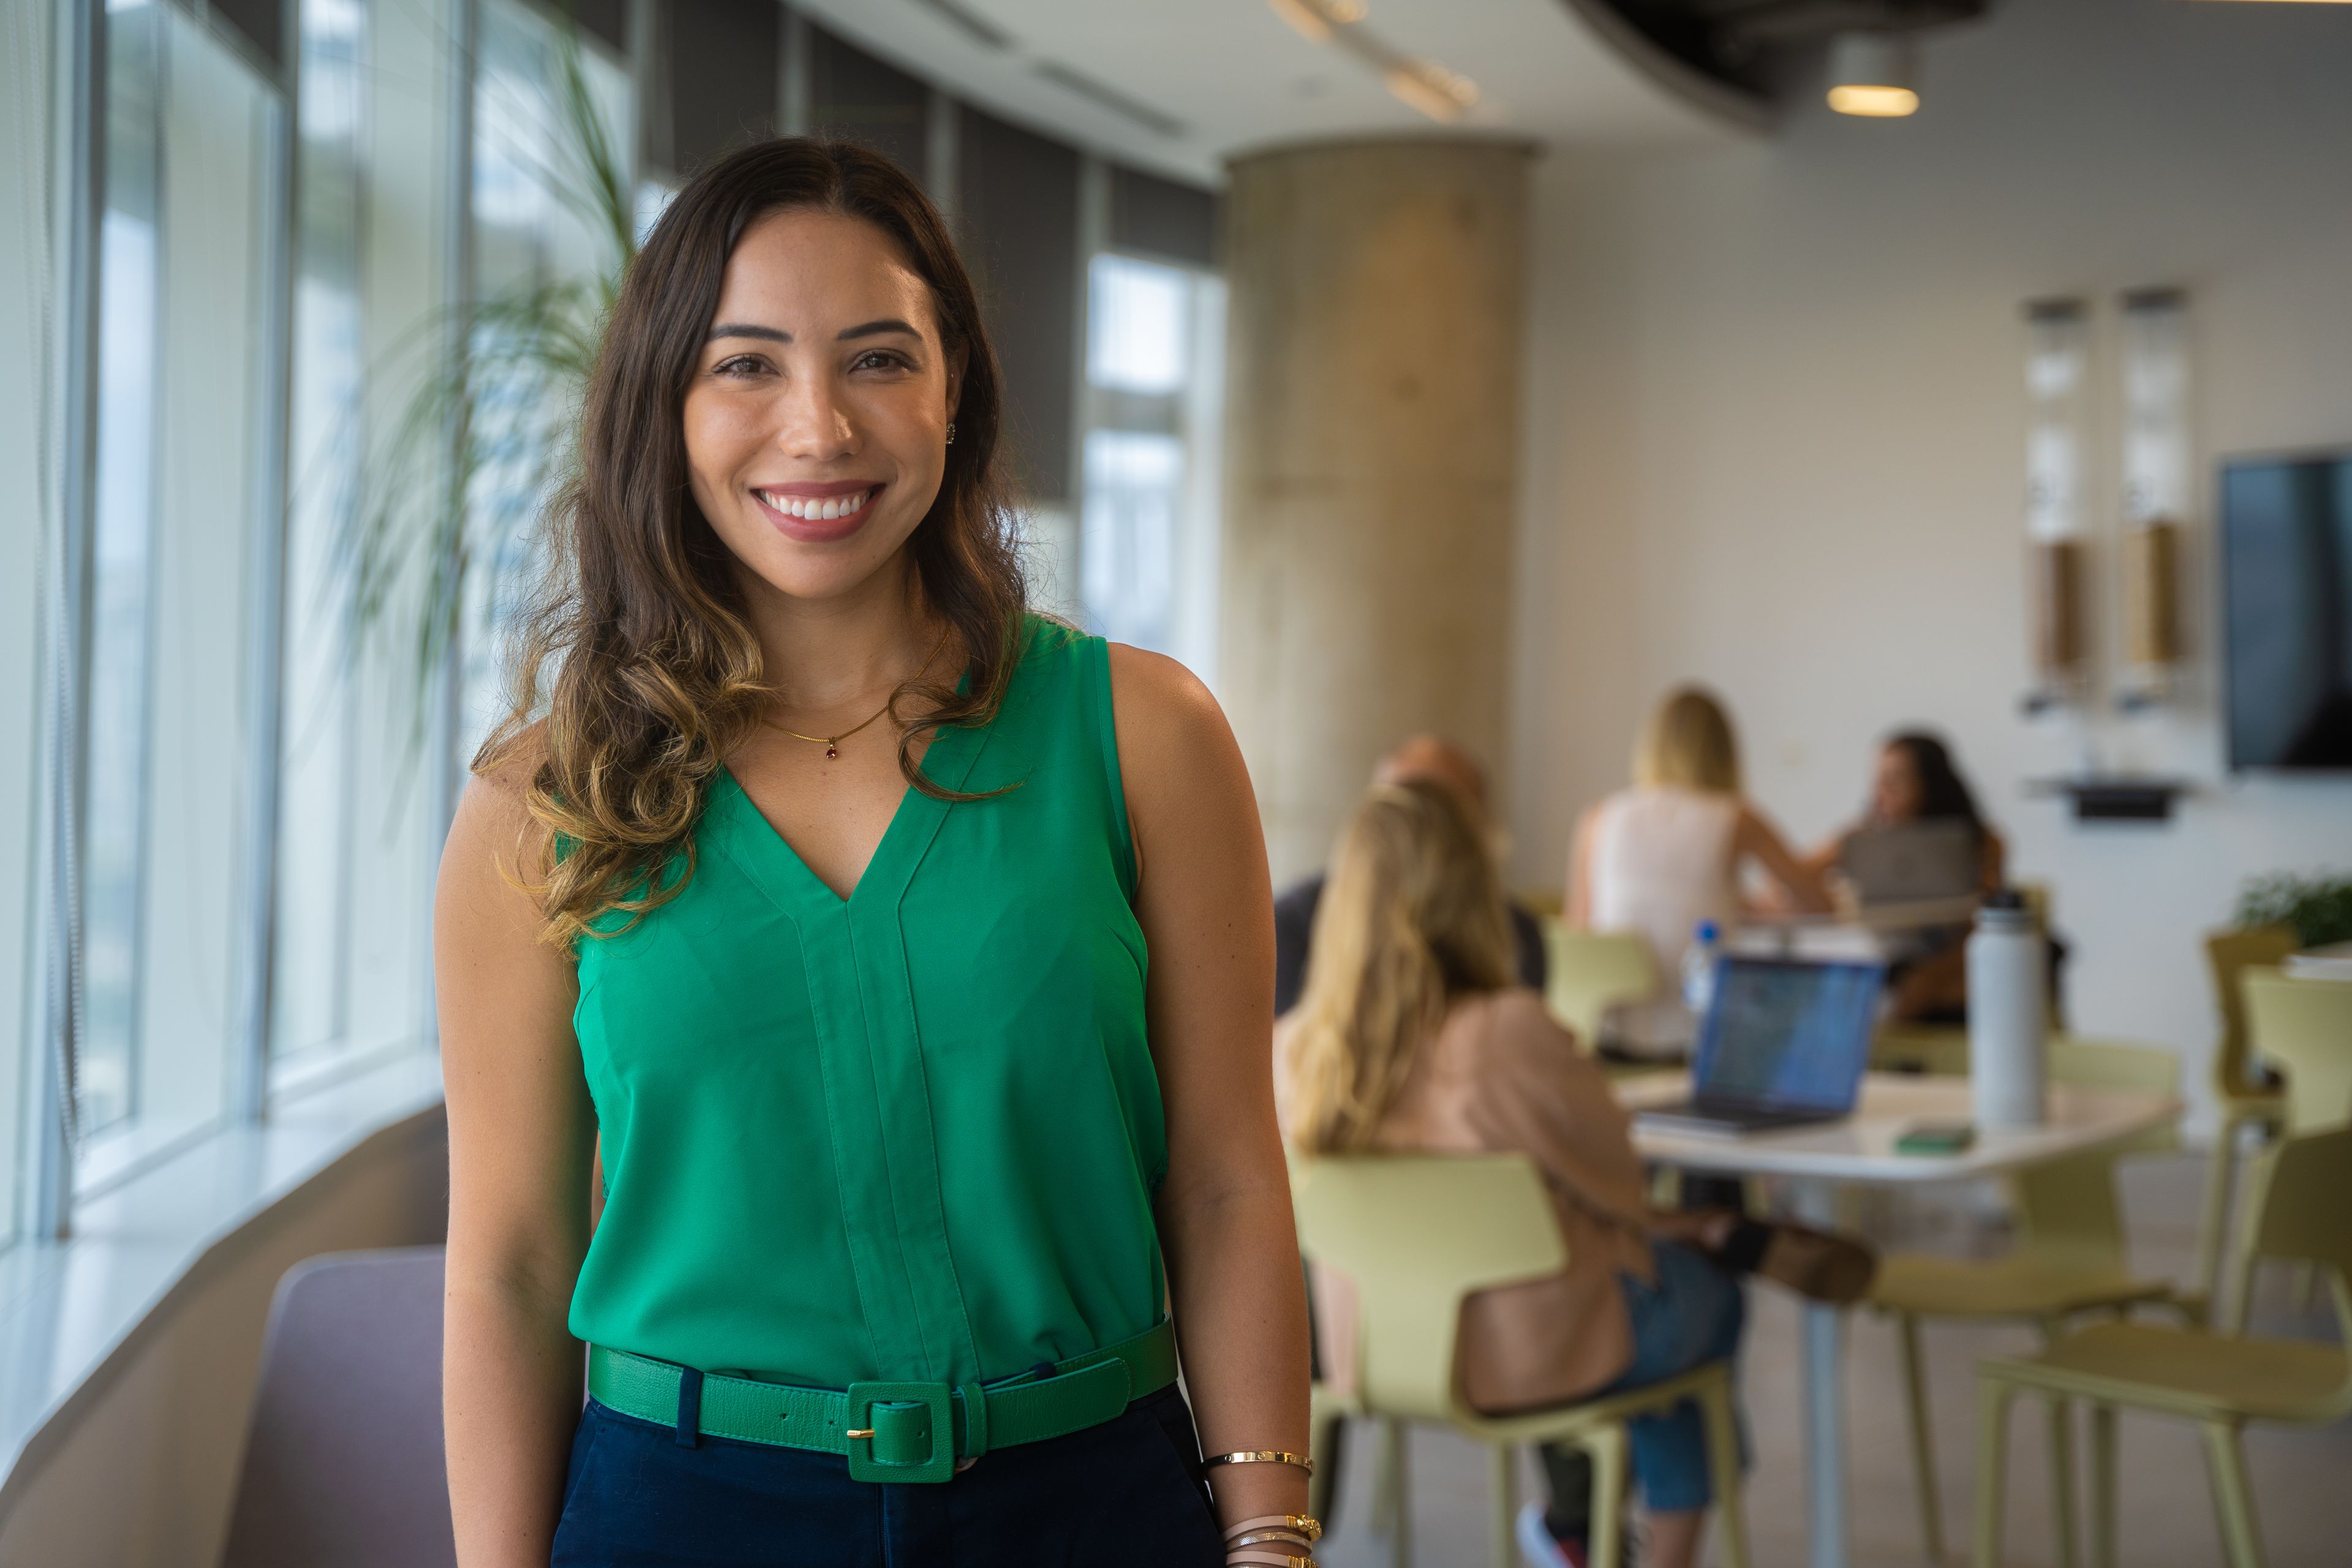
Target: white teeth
{"type": "Point", "coordinates": [815, 510]}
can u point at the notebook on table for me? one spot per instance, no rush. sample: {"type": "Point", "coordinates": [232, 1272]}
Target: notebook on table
{"type": "Point", "coordinates": [1784, 1043]}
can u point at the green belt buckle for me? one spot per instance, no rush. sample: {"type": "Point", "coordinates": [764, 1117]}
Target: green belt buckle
{"type": "Point", "coordinates": [887, 1420]}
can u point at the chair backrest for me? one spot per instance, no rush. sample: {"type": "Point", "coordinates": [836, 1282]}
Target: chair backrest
{"type": "Point", "coordinates": [2227, 955]}
{"type": "Point", "coordinates": [1416, 1234]}
{"type": "Point", "coordinates": [2067, 1209]}
{"type": "Point", "coordinates": [2304, 1029]}
{"type": "Point", "coordinates": [2299, 1196]}
{"type": "Point", "coordinates": [344, 1465]}
{"type": "Point", "coordinates": [1589, 971]}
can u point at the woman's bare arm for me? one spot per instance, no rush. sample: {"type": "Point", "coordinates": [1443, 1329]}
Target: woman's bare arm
{"type": "Point", "coordinates": [1758, 839]}
{"type": "Point", "coordinates": [1207, 910]}
{"type": "Point", "coordinates": [1992, 863]}
{"type": "Point", "coordinates": [1577, 913]}
{"type": "Point", "coordinates": [522, 1137]}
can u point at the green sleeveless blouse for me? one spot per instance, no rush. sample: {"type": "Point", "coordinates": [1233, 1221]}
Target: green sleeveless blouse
{"type": "Point", "coordinates": [913, 1135]}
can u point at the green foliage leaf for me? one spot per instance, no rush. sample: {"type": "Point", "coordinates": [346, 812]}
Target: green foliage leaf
{"type": "Point", "coordinates": [483, 437]}
{"type": "Point", "coordinates": [2318, 907]}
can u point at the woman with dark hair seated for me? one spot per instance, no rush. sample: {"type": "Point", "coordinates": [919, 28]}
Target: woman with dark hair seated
{"type": "Point", "coordinates": [1916, 782]}
{"type": "Point", "coordinates": [1411, 1039]}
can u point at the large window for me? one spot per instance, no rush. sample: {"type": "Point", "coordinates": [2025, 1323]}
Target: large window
{"type": "Point", "coordinates": [114, 806]}
{"type": "Point", "coordinates": [311, 962]}
{"type": "Point", "coordinates": [179, 510]}
{"type": "Point", "coordinates": [1147, 551]}
{"type": "Point", "coordinates": [539, 250]}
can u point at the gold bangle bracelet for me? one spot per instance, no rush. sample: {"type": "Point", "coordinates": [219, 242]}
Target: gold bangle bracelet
{"type": "Point", "coordinates": [1311, 1527]}
{"type": "Point", "coordinates": [1262, 1456]}
{"type": "Point", "coordinates": [1268, 1538]}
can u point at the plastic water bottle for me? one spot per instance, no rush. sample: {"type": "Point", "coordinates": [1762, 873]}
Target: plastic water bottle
{"type": "Point", "coordinates": [1698, 969]}
{"type": "Point", "coordinates": [2009, 1020]}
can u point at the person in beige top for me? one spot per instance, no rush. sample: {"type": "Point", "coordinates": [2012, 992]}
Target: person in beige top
{"type": "Point", "coordinates": [1674, 851]}
{"type": "Point", "coordinates": [1413, 1038]}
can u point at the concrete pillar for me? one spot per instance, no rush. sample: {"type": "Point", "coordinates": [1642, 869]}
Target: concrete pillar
{"type": "Point", "coordinates": [1370, 463]}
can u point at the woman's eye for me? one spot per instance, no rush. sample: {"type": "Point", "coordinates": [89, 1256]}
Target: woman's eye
{"type": "Point", "coordinates": [740, 365]}
{"type": "Point", "coordinates": [879, 359]}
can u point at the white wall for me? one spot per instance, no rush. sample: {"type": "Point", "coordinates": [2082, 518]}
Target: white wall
{"type": "Point", "coordinates": [1775, 430]}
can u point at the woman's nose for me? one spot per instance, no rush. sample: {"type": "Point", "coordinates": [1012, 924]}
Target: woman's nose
{"type": "Point", "coordinates": [812, 421]}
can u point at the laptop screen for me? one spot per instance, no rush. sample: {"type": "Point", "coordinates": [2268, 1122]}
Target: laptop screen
{"type": "Point", "coordinates": [1786, 1033]}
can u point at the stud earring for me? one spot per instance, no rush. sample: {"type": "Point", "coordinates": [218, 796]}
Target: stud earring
{"type": "Point", "coordinates": [951, 431]}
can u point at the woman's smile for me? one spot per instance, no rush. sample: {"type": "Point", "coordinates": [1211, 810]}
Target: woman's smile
{"type": "Point", "coordinates": [818, 514]}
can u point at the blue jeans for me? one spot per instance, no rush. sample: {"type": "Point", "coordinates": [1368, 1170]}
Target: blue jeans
{"type": "Point", "coordinates": [1694, 1314]}
{"type": "Point", "coordinates": [1127, 1491]}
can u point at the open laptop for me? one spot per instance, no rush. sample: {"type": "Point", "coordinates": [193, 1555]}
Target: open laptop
{"type": "Point", "coordinates": [1913, 862]}
{"type": "Point", "coordinates": [1784, 1044]}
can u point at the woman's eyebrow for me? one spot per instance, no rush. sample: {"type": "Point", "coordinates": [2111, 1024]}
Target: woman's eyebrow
{"type": "Point", "coordinates": [744, 329]}
{"type": "Point", "coordinates": [873, 329]}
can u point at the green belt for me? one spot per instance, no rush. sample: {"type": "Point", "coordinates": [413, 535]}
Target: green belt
{"type": "Point", "coordinates": [890, 1431]}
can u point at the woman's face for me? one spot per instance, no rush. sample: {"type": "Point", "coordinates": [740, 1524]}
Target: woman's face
{"type": "Point", "coordinates": [1895, 789]}
{"type": "Point", "coordinates": [816, 422]}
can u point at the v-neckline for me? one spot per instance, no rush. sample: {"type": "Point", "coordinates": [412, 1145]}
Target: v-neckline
{"type": "Point", "coordinates": [896, 854]}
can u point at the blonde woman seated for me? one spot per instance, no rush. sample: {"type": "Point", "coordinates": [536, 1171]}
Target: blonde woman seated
{"type": "Point", "coordinates": [1663, 856]}
{"type": "Point", "coordinates": [1413, 1038]}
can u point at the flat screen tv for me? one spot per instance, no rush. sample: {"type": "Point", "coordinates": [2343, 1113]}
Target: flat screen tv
{"type": "Point", "coordinates": [2286, 610]}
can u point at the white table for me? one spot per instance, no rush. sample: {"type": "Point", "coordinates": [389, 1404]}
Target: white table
{"type": "Point", "coordinates": [1814, 1161]}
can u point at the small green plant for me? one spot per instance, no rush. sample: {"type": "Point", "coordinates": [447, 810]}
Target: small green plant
{"type": "Point", "coordinates": [2318, 907]}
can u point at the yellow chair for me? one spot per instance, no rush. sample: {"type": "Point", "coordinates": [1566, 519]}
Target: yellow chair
{"type": "Point", "coordinates": [1418, 1235]}
{"type": "Point", "coordinates": [2245, 1100]}
{"type": "Point", "coordinates": [2217, 1381]}
{"type": "Point", "coordinates": [1589, 971]}
{"type": "Point", "coordinates": [2070, 1256]}
{"type": "Point", "coordinates": [2303, 1028]}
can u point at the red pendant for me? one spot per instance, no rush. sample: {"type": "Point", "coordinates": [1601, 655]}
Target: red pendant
{"type": "Point", "coordinates": [831, 751]}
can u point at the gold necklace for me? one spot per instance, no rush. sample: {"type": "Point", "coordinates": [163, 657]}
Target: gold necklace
{"type": "Point", "coordinates": [832, 744]}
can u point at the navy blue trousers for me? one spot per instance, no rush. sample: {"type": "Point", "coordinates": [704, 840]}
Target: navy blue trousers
{"type": "Point", "coordinates": [1128, 1491]}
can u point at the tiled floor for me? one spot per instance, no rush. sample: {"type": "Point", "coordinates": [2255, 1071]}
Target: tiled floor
{"type": "Point", "coordinates": [2303, 1479]}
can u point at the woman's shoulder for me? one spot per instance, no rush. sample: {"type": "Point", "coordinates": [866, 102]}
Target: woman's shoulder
{"type": "Point", "coordinates": [1510, 1024]}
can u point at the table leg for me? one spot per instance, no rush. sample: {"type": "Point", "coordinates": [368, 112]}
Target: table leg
{"type": "Point", "coordinates": [1824, 1341]}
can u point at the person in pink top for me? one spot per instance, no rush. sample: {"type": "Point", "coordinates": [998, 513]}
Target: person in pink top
{"type": "Point", "coordinates": [1412, 1037]}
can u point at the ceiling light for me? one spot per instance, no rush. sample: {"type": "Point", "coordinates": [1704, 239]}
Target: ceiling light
{"type": "Point", "coordinates": [1431, 88]}
{"type": "Point", "coordinates": [1315, 19]}
{"type": "Point", "coordinates": [1874, 74]}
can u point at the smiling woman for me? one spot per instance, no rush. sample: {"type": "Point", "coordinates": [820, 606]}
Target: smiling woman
{"type": "Point", "coordinates": [905, 956]}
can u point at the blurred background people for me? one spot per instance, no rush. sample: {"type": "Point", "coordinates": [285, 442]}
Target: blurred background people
{"type": "Point", "coordinates": [1671, 851]}
{"type": "Point", "coordinates": [1423, 758]}
{"type": "Point", "coordinates": [1412, 1037]}
{"type": "Point", "coordinates": [1920, 837]}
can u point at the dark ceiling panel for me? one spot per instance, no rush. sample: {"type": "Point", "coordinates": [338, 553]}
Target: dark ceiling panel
{"type": "Point", "coordinates": [722, 77]}
{"type": "Point", "coordinates": [1017, 221]}
{"type": "Point", "coordinates": [1163, 218]}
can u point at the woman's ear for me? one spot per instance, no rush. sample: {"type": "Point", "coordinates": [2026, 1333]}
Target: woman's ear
{"type": "Point", "coordinates": [955, 383]}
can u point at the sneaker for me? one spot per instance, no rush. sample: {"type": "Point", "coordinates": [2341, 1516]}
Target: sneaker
{"type": "Point", "coordinates": [1540, 1547]}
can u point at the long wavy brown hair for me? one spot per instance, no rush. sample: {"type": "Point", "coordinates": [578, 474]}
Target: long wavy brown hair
{"type": "Point", "coordinates": [635, 671]}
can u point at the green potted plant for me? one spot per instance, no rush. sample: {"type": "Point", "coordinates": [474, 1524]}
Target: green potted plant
{"type": "Point", "coordinates": [2319, 906]}
{"type": "Point", "coordinates": [483, 437]}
